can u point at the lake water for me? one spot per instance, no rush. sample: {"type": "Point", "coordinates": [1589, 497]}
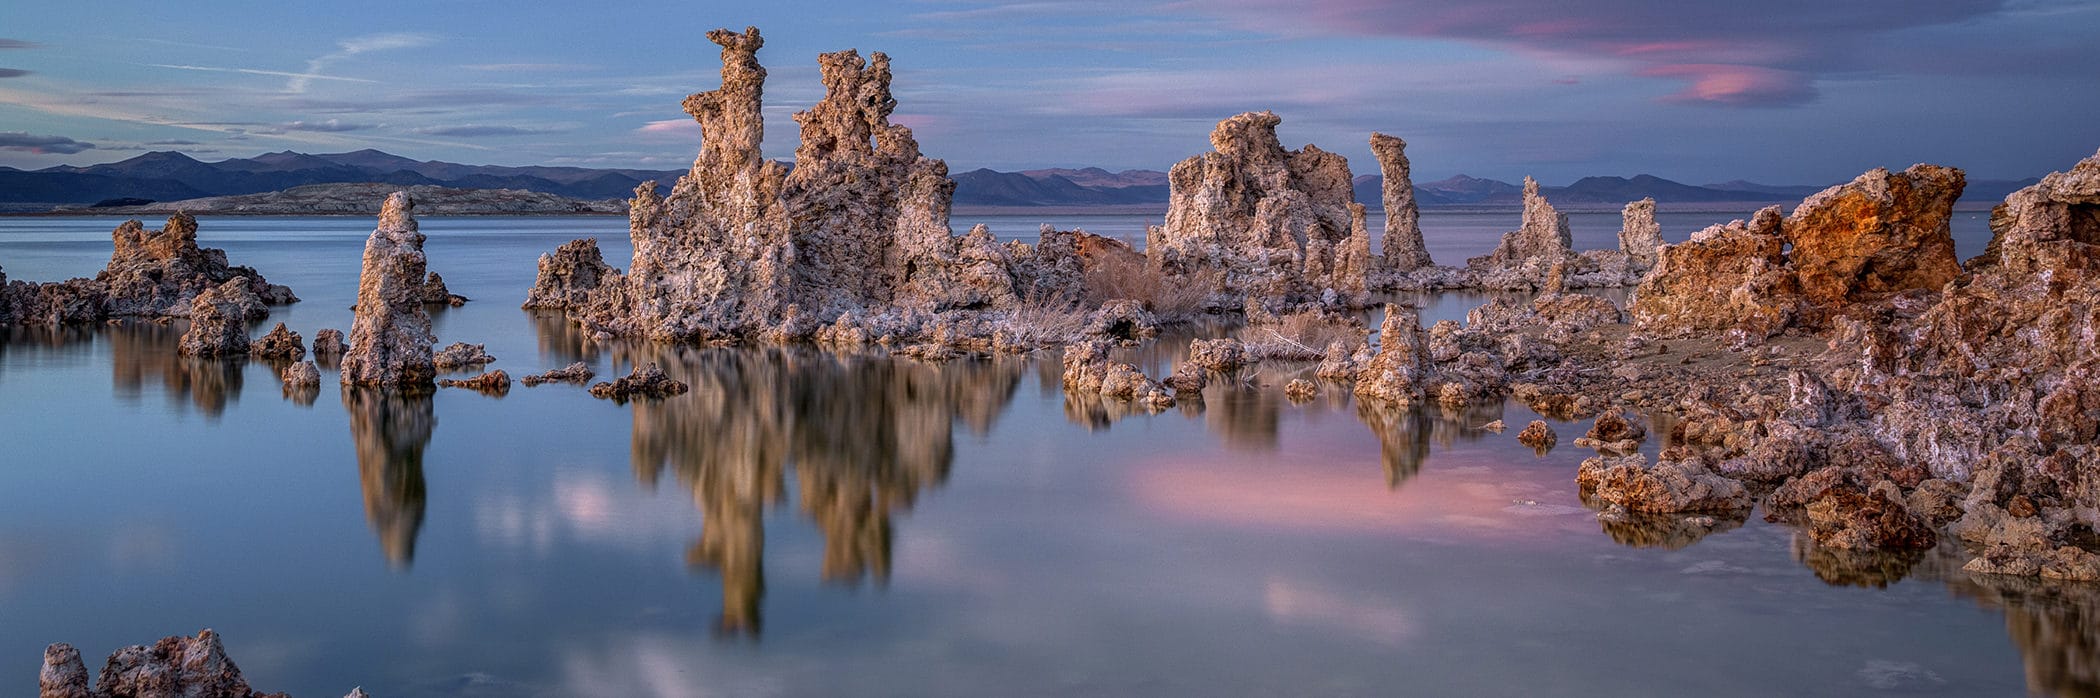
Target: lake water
{"type": "Point", "coordinates": [804, 523]}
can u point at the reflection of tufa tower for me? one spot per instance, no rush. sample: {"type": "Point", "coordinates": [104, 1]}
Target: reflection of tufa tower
{"type": "Point", "coordinates": [391, 429]}
{"type": "Point", "coordinates": [864, 435]}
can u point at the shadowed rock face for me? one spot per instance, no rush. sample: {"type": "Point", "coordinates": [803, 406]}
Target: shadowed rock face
{"type": "Point", "coordinates": [1404, 249]}
{"type": "Point", "coordinates": [1278, 225]}
{"type": "Point", "coordinates": [151, 273]}
{"type": "Point", "coordinates": [390, 337]}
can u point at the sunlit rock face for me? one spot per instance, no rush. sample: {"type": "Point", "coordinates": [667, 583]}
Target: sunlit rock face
{"type": "Point", "coordinates": [864, 435]}
{"type": "Point", "coordinates": [1843, 251]}
{"type": "Point", "coordinates": [743, 246]}
{"type": "Point", "coordinates": [391, 428]}
{"type": "Point", "coordinates": [1256, 220]}
{"type": "Point", "coordinates": [390, 337]}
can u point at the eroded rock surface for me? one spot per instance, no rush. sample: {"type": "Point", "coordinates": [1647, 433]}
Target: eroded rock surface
{"type": "Point", "coordinates": [568, 275]}
{"type": "Point", "coordinates": [219, 321]}
{"type": "Point", "coordinates": [279, 344]}
{"type": "Point", "coordinates": [1404, 251]}
{"type": "Point", "coordinates": [174, 667]}
{"type": "Point", "coordinates": [1253, 219]}
{"type": "Point", "coordinates": [1525, 255]}
{"type": "Point", "coordinates": [495, 382]}
{"type": "Point", "coordinates": [390, 337]}
{"type": "Point", "coordinates": [151, 273]}
{"type": "Point", "coordinates": [1668, 486]}
{"type": "Point", "coordinates": [461, 355]}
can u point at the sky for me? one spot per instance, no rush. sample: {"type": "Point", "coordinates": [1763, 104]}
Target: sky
{"type": "Point", "coordinates": [1776, 91]}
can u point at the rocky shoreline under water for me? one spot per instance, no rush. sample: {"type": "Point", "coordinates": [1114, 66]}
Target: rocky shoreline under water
{"type": "Point", "coordinates": [1836, 365]}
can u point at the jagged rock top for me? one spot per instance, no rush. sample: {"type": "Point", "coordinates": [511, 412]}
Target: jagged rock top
{"type": "Point", "coordinates": [390, 337]}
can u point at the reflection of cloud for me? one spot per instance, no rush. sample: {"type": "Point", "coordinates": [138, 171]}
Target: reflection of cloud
{"type": "Point", "coordinates": [1318, 498]}
{"type": "Point", "coordinates": [1292, 603]}
{"type": "Point", "coordinates": [658, 666]}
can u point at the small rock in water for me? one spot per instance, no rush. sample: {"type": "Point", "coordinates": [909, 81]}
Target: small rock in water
{"type": "Point", "coordinates": [462, 354]}
{"type": "Point", "coordinates": [494, 382]}
{"type": "Point", "coordinates": [646, 381]}
{"type": "Point", "coordinates": [281, 344]}
{"type": "Point", "coordinates": [1538, 436]}
{"type": "Point", "coordinates": [578, 373]}
{"type": "Point", "coordinates": [1300, 390]}
{"type": "Point", "coordinates": [1495, 426]}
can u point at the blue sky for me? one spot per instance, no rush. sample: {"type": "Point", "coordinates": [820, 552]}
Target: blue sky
{"type": "Point", "coordinates": [1785, 91]}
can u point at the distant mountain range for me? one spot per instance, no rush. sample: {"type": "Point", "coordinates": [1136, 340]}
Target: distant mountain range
{"type": "Point", "coordinates": [170, 176]}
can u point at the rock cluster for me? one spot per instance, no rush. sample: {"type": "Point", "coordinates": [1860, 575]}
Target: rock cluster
{"type": "Point", "coordinates": [1256, 220]}
{"type": "Point", "coordinates": [219, 321]}
{"type": "Point", "coordinates": [174, 667]}
{"type": "Point", "coordinates": [151, 273]}
{"type": "Point", "coordinates": [568, 275]}
{"type": "Point", "coordinates": [1089, 372]}
{"type": "Point", "coordinates": [390, 337]}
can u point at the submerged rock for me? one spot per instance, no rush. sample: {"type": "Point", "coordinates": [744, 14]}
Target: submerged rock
{"type": "Point", "coordinates": [646, 381]}
{"type": "Point", "coordinates": [1253, 219]}
{"type": "Point", "coordinates": [568, 275]}
{"type": "Point", "coordinates": [578, 373]}
{"type": "Point", "coordinates": [219, 321]}
{"type": "Point", "coordinates": [280, 344]}
{"type": "Point", "coordinates": [390, 338]}
{"type": "Point", "coordinates": [1301, 390]}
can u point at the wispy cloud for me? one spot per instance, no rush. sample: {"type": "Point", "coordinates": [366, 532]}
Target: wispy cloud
{"type": "Point", "coordinates": [29, 143]}
{"type": "Point", "coordinates": [16, 43]}
{"type": "Point", "coordinates": [12, 73]}
{"type": "Point", "coordinates": [479, 131]}
{"type": "Point", "coordinates": [352, 47]}
{"type": "Point", "coordinates": [329, 126]}
{"type": "Point", "coordinates": [258, 71]}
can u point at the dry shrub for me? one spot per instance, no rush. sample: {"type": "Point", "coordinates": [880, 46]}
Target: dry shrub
{"type": "Point", "coordinates": [1041, 326]}
{"type": "Point", "coordinates": [1128, 276]}
{"type": "Point", "coordinates": [1303, 335]}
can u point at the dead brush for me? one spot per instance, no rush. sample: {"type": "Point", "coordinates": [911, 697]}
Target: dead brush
{"type": "Point", "coordinates": [1125, 276]}
{"type": "Point", "coordinates": [1035, 326]}
{"type": "Point", "coordinates": [1302, 335]}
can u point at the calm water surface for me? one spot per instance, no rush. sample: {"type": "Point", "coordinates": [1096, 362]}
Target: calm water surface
{"type": "Point", "coordinates": [804, 523]}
